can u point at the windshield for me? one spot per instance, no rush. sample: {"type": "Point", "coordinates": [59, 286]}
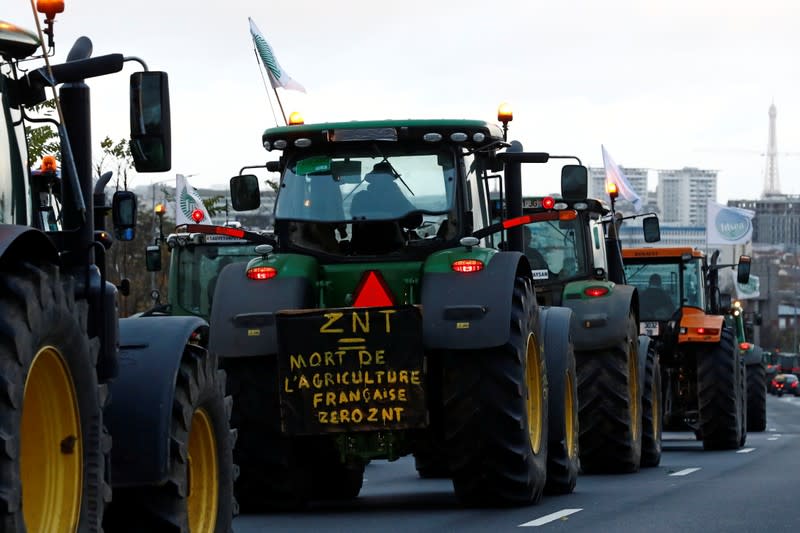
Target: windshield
{"type": "Point", "coordinates": [555, 249]}
{"type": "Point", "coordinates": [663, 287]}
{"type": "Point", "coordinates": [361, 187]}
{"type": "Point", "coordinates": [368, 201]}
{"type": "Point", "coordinates": [198, 268]}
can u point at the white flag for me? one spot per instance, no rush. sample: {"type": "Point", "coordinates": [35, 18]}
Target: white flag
{"type": "Point", "coordinates": [615, 175]}
{"type": "Point", "coordinates": [187, 201]}
{"type": "Point", "coordinates": [277, 76]}
{"type": "Point", "coordinates": [728, 225]}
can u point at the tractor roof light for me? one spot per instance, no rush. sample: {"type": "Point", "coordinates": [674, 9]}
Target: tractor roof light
{"type": "Point", "coordinates": [50, 8]}
{"type": "Point", "coordinates": [612, 189]}
{"type": "Point", "coordinates": [160, 209]}
{"type": "Point", "coordinates": [548, 202]}
{"type": "Point", "coordinates": [198, 215]}
{"type": "Point", "coordinates": [296, 119]}
{"type": "Point", "coordinates": [504, 113]}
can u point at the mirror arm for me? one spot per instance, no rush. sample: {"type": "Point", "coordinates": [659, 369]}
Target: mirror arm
{"type": "Point", "coordinates": [137, 60]}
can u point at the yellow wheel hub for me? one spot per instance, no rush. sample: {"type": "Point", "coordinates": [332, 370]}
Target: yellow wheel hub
{"type": "Point", "coordinates": [569, 415]}
{"type": "Point", "coordinates": [51, 451]}
{"type": "Point", "coordinates": [633, 388]}
{"type": "Point", "coordinates": [533, 374]}
{"type": "Point", "coordinates": [203, 475]}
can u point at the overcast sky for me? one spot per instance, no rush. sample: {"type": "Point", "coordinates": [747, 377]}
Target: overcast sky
{"type": "Point", "coordinates": [660, 84]}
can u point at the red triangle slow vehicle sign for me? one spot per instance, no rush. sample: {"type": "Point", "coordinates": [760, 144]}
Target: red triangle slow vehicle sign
{"type": "Point", "coordinates": [372, 291]}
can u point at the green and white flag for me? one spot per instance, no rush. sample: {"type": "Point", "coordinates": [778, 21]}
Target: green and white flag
{"type": "Point", "coordinates": [277, 76]}
{"type": "Point", "coordinates": [189, 207]}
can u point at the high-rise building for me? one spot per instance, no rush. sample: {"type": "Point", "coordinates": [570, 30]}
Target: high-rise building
{"type": "Point", "coordinates": [637, 177]}
{"type": "Point", "coordinates": [683, 195]}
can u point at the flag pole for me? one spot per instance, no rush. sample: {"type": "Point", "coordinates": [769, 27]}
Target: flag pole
{"type": "Point", "coordinates": [280, 105]}
{"type": "Point", "coordinates": [271, 107]}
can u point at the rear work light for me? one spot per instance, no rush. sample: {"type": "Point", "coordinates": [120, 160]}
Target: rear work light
{"type": "Point", "coordinates": [262, 272]}
{"type": "Point", "coordinates": [467, 265]}
{"type": "Point", "coordinates": [595, 291]}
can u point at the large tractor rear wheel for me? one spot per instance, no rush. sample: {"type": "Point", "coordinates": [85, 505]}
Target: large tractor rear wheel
{"type": "Point", "coordinates": [198, 496]}
{"type": "Point", "coordinates": [52, 469]}
{"type": "Point", "coordinates": [610, 416]}
{"type": "Point", "coordinates": [756, 397]}
{"type": "Point", "coordinates": [495, 413]}
{"type": "Point", "coordinates": [651, 410]}
{"type": "Point", "coordinates": [719, 392]}
{"type": "Point", "coordinates": [562, 448]}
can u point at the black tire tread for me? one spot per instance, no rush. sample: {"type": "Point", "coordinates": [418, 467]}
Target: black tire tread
{"type": "Point", "coordinates": [651, 402]}
{"type": "Point", "coordinates": [486, 426]}
{"type": "Point", "coordinates": [607, 443]}
{"type": "Point", "coordinates": [718, 390]}
{"type": "Point", "coordinates": [38, 308]}
{"type": "Point", "coordinates": [756, 397]}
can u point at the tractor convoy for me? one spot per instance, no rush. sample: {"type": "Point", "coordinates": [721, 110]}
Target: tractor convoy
{"type": "Point", "coordinates": [409, 302]}
{"type": "Point", "coordinates": [105, 423]}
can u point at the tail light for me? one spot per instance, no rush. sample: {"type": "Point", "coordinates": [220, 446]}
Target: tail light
{"type": "Point", "coordinates": [262, 272]}
{"type": "Point", "coordinates": [794, 384]}
{"type": "Point", "coordinates": [744, 345]}
{"type": "Point", "coordinates": [594, 292]}
{"type": "Point", "coordinates": [707, 331]}
{"type": "Point", "coordinates": [467, 265]}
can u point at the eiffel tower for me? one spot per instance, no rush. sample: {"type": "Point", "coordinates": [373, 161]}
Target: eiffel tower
{"type": "Point", "coordinates": [772, 185]}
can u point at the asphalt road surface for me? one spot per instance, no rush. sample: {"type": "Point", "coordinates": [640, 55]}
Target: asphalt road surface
{"type": "Point", "coordinates": [754, 489]}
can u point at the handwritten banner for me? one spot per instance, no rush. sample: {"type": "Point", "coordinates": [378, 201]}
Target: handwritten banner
{"type": "Point", "coordinates": [351, 369]}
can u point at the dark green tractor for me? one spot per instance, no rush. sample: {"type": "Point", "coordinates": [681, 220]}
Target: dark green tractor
{"type": "Point", "coordinates": [577, 264]}
{"type": "Point", "coordinates": [382, 320]}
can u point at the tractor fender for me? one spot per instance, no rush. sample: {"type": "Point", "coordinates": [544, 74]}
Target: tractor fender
{"type": "Point", "coordinates": [753, 356]}
{"type": "Point", "coordinates": [601, 321]}
{"type": "Point", "coordinates": [139, 411]}
{"type": "Point", "coordinates": [469, 311]}
{"type": "Point", "coordinates": [243, 312]}
{"type": "Point", "coordinates": [23, 243]}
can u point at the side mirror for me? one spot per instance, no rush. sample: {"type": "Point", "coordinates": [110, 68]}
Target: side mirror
{"type": "Point", "coordinates": [725, 301]}
{"type": "Point", "coordinates": [150, 122]}
{"type": "Point", "coordinates": [152, 258]}
{"type": "Point", "coordinates": [123, 214]}
{"type": "Point", "coordinates": [652, 229]}
{"type": "Point", "coordinates": [574, 182]}
{"type": "Point", "coordinates": [245, 194]}
{"type": "Point", "coordinates": [743, 269]}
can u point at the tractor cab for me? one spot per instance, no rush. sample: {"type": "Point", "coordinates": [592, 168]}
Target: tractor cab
{"type": "Point", "coordinates": [372, 189]}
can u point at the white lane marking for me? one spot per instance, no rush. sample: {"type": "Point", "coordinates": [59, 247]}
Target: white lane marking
{"type": "Point", "coordinates": [546, 519]}
{"type": "Point", "coordinates": [773, 438]}
{"type": "Point", "coordinates": [745, 450]}
{"type": "Point", "coordinates": [684, 472]}
{"type": "Point", "coordinates": [772, 429]}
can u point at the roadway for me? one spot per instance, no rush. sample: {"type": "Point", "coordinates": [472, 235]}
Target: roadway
{"type": "Point", "coordinates": [751, 489]}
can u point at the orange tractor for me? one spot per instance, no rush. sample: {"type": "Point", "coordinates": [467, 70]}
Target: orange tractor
{"type": "Point", "coordinates": [704, 380]}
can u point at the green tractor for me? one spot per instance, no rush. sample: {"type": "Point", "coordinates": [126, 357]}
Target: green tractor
{"type": "Point", "coordinates": [576, 262]}
{"type": "Point", "coordinates": [195, 261]}
{"type": "Point", "coordinates": [756, 364]}
{"type": "Point", "coordinates": [107, 423]}
{"type": "Point", "coordinates": [382, 320]}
